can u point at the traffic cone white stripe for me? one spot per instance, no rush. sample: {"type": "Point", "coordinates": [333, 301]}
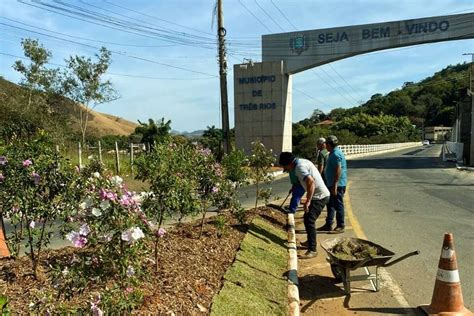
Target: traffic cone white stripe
{"type": "Point", "coordinates": [447, 253]}
{"type": "Point", "coordinates": [448, 276]}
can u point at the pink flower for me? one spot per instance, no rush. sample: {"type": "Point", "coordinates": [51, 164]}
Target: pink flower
{"type": "Point", "coordinates": [84, 230]}
{"type": "Point", "coordinates": [77, 239]}
{"type": "Point", "coordinates": [128, 290]}
{"type": "Point", "coordinates": [96, 311]}
{"type": "Point", "coordinates": [3, 160]}
{"type": "Point", "coordinates": [215, 189]}
{"type": "Point", "coordinates": [80, 242]}
{"type": "Point", "coordinates": [107, 195]}
{"type": "Point", "coordinates": [132, 234]}
{"type": "Point", "coordinates": [27, 163]}
{"type": "Point", "coordinates": [161, 232]}
{"type": "Point", "coordinates": [125, 200]}
{"type": "Point", "coordinates": [205, 151]}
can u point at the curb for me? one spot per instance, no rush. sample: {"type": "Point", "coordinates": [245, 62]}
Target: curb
{"type": "Point", "coordinates": [293, 293]}
{"type": "Point", "coordinates": [464, 168]}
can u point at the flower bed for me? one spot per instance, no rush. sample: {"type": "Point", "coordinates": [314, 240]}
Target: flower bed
{"type": "Point", "coordinates": [190, 272]}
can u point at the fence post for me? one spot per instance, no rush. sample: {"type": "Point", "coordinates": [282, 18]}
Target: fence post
{"type": "Point", "coordinates": [79, 152]}
{"type": "Point", "coordinates": [58, 155]}
{"type": "Point", "coordinates": [117, 159]}
{"type": "Point", "coordinates": [100, 151]}
{"type": "Point", "coordinates": [131, 157]}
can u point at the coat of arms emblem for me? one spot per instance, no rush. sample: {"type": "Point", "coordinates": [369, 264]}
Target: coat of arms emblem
{"type": "Point", "coordinates": [299, 44]}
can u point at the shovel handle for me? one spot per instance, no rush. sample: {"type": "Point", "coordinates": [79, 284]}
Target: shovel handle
{"type": "Point", "coordinates": [285, 200]}
{"type": "Point", "coordinates": [413, 253]}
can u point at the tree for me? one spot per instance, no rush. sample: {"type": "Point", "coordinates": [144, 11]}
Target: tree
{"type": "Point", "coordinates": [212, 138]}
{"type": "Point", "coordinates": [36, 76]}
{"type": "Point", "coordinates": [85, 86]}
{"type": "Point", "coordinates": [318, 116]}
{"type": "Point", "coordinates": [260, 162]}
{"type": "Point", "coordinates": [152, 131]}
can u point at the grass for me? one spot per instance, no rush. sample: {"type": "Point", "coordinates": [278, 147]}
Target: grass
{"type": "Point", "coordinates": [256, 283]}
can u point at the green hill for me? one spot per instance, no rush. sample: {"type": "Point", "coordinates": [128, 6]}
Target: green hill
{"type": "Point", "coordinates": [397, 116]}
{"type": "Point", "coordinates": [429, 102]}
{"type": "Point", "coordinates": [55, 114]}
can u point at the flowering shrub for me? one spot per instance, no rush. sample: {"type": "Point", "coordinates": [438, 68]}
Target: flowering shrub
{"type": "Point", "coordinates": [214, 188]}
{"type": "Point", "coordinates": [33, 193]}
{"type": "Point", "coordinates": [235, 164]}
{"type": "Point", "coordinates": [169, 169]}
{"type": "Point", "coordinates": [108, 226]}
{"type": "Point", "coordinates": [260, 162]}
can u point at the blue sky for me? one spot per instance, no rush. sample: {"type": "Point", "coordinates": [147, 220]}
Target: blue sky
{"type": "Point", "coordinates": [171, 69]}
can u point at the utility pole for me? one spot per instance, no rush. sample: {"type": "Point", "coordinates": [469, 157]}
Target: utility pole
{"type": "Point", "coordinates": [471, 93]}
{"type": "Point", "coordinates": [221, 32]}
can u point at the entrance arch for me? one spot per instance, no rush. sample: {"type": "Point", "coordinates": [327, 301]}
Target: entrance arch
{"type": "Point", "coordinates": [263, 91]}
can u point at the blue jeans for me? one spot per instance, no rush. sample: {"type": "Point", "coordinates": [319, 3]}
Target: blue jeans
{"type": "Point", "coordinates": [296, 195]}
{"type": "Point", "coordinates": [310, 218]}
{"type": "Point", "coordinates": [336, 206]}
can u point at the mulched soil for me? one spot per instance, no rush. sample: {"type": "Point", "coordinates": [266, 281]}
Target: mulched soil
{"type": "Point", "coordinates": [191, 269]}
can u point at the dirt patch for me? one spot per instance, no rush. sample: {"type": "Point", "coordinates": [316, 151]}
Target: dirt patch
{"type": "Point", "coordinates": [190, 274]}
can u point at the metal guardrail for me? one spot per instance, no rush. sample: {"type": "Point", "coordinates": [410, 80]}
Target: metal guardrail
{"type": "Point", "coordinates": [349, 150]}
{"type": "Point", "coordinates": [453, 149]}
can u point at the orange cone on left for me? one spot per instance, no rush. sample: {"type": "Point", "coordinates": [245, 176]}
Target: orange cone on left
{"type": "Point", "coordinates": [3, 246]}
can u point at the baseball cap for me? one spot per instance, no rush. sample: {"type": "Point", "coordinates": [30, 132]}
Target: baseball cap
{"type": "Point", "coordinates": [320, 141]}
{"type": "Point", "coordinates": [332, 140]}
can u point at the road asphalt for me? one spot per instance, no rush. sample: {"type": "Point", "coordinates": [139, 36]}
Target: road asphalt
{"type": "Point", "coordinates": [405, 201]}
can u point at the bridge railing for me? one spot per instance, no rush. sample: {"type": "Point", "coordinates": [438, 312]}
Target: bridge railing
{"type": "Point", "coordinates": [359, 150]}
{"type": "Point", "coordinates": [453, 151]}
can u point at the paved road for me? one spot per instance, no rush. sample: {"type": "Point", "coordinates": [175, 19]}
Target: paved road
{"type": "Point", "coordinates": [407, 200]}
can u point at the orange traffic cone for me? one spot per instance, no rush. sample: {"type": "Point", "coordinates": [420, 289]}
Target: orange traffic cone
{"type": "Point", "coordinates": [3, 245]}
{"type": "Point", "coordinates": [447, 294]}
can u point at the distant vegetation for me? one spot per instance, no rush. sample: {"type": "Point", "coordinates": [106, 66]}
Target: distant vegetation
{"type": "Point", "coordinates": [395, 117]}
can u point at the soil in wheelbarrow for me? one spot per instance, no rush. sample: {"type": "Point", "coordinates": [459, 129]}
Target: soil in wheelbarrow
{"type": "Point", "coordinates": [351, 250]}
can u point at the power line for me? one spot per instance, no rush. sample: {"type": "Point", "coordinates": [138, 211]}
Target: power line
{"type": "Point", "coordinates": [321, 68]}
{"type": "Point", "coordinates": [284, 16]}
{"type": "Point", "coordinates": [156, 27]}
{"type": "Point", "coordinates": [154, 17]}
{"type": "Point", "coordinates": [248, 10]}
{"type": "Point", "coordinates": [117, 74]}
{"type": "Point", "coordinates": [268, 15]}
{"type": "Point", "coordinates": [115, 52]}
{"type": "Point", "coordinates": [117, 24]}
{"type": "Point", "coordinates": [86, 39]}
{"type": "Point", "coordinates": [309, 96]}
{"type": "Point", "coordinates": [327, 75]}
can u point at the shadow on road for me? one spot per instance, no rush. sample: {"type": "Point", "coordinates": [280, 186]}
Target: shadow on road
{"type": "Point", "coordinates": [399, 163]}
{"type": "Point", "coordinates": [315, 287]}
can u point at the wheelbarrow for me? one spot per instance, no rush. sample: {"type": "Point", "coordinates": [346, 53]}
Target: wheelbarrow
{"type": "Point", "coordinates": [342, 268]}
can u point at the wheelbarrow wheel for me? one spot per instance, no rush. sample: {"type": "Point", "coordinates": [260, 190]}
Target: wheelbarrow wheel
{"type": "Point", "coordinates": [338, 272]}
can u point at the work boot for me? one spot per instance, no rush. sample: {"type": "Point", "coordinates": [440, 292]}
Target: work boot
{"type": "Point", "coordinates": [308, 255]}
{"type": "Point", "coordinates": [325, 228]}
{"type": "Point", "coordinates": [304, 244]}
{"type": "Point", "coordinates": [338, 230]}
